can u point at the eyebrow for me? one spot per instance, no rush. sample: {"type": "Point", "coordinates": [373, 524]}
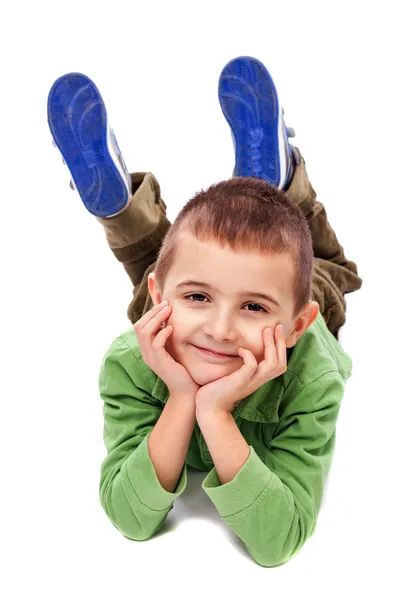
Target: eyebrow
{"type": "Point", "coordinates": [239, 293]}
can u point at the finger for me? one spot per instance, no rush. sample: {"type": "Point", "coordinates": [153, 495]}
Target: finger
{"type": "Point", "coordinates": [155, 323]}
{"type": "Point", "coordinates": [146, 318]}
{"type": "Point", "coordinates": [281, 347]}
{"type": "Point", "coordinates": [270, 350]}
{"type": "Point", "coordinates": [161, 338]}
{"type": "Point", "coordinates": [155, 354]}
{"type": "Point", "coordinates": [139, 325]}
{"type": "Point", "coordinates": [158, 323]}
{"type": "Point", "coordinates": [249, 360]}
{"type": "Point", "coordinates": [148, 333]}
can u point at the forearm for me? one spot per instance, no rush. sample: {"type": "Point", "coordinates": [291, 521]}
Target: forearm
{"type": "Point", "coordinates": [170, 438]}
{"type": "Point", "coordinates": [227, 446]}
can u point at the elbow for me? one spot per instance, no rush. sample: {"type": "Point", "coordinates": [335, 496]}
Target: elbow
{"type": "Point", "coordinates": [129, 517]}
{"type": "Point", "coordinates": [268, 558]}
{"type": "Point", "coordinates": [124, 520]}
{"type": "Point", "coordinates": [291, 542]}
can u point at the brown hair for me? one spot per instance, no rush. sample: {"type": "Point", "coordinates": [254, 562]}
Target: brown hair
{"type": "Point", "coordinates": [248, 214]}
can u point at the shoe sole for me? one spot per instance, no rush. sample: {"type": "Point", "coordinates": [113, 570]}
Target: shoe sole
{"type": "Point", "coordinates": [78, 122]}
{"type": "Point", "coordinates": [249, 102]}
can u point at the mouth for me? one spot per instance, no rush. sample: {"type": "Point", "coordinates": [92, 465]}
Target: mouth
{"type": "Point", "coordinates": [213, 354]}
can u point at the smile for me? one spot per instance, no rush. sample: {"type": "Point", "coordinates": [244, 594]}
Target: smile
{"type": "Point", "coordinates": [213, 354]}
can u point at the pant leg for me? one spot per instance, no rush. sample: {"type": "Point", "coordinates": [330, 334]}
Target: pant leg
{"type": "Point", "coordinates": [333, 274]}
{"type": "Point", "coordinates": [135, 237]}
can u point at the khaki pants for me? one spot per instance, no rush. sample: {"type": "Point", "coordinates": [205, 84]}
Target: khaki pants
{"type": "Point", "coordinates": [136, 234]}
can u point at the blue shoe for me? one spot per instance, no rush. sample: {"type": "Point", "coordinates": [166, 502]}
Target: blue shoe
{"type": "Point", "coordinates": [250, 104]}
{"type": "Point", "coordinates": [78, 122]}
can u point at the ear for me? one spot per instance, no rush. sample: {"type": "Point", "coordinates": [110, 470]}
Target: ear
{"type": "Point", "coordinates": [154, 290]}
{"type": "Point", "coordinates": [305, 319]}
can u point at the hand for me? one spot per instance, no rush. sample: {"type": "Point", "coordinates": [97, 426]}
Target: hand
{"type": "Point", "coordinates": [223, 393]}
{"type": "Point", "coordinates": [152, 339]}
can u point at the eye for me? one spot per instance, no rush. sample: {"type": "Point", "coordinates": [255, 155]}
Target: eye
{"type": "Point", "coordinates": [190, 296]}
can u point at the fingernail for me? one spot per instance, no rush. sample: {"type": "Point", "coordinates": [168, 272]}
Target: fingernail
{"type": "Point", "coordinates": [164, 302]}
{"type": "Point", "coordinates": [280, 328]}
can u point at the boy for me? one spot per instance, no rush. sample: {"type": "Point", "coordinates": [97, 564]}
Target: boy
{"type": "Point", "coordinates": [214, 389]}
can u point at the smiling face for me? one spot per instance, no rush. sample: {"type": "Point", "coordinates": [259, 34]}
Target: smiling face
{"type": "Point", "coordinates": [225, 317]}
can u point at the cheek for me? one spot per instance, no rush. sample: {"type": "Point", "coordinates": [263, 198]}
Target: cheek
{"type": "Point", "coordinates": [176, 340]}
{"type": "Point", "coordinates": [181, 327]}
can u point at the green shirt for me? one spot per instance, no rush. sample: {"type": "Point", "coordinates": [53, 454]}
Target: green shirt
{"type": "Point", "coordinates": [289, 423]}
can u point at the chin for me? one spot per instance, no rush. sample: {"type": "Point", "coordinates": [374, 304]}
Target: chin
{"type": "Point", "coordinates": [203, 380]}
{"type": "Point", "coordinates": [203, 374]}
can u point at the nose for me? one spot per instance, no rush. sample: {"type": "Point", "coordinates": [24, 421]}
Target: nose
{"type": "Point", "coordinates": [220, 328]}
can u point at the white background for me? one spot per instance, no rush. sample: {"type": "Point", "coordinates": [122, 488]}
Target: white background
{"type": "Point", "coordinates": [64, 295]}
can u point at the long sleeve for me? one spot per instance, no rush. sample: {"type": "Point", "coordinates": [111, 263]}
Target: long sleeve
{"type": "Point", "coordinates": [272, 504]}
{"type": "Point", "coordinates": [130, 492]}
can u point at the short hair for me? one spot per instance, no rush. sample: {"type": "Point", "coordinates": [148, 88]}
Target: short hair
{"type": "Point", "coordinates": [248, 214]}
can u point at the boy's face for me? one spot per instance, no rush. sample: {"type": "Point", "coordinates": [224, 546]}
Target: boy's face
{"type": "Point", "coordinates": [224, 319]}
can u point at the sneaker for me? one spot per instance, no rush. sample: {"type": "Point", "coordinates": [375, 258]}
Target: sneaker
{"type": "Point", "coordinates": [250, 104]}
{"type": "Point", "coordinates": [78, 122]}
